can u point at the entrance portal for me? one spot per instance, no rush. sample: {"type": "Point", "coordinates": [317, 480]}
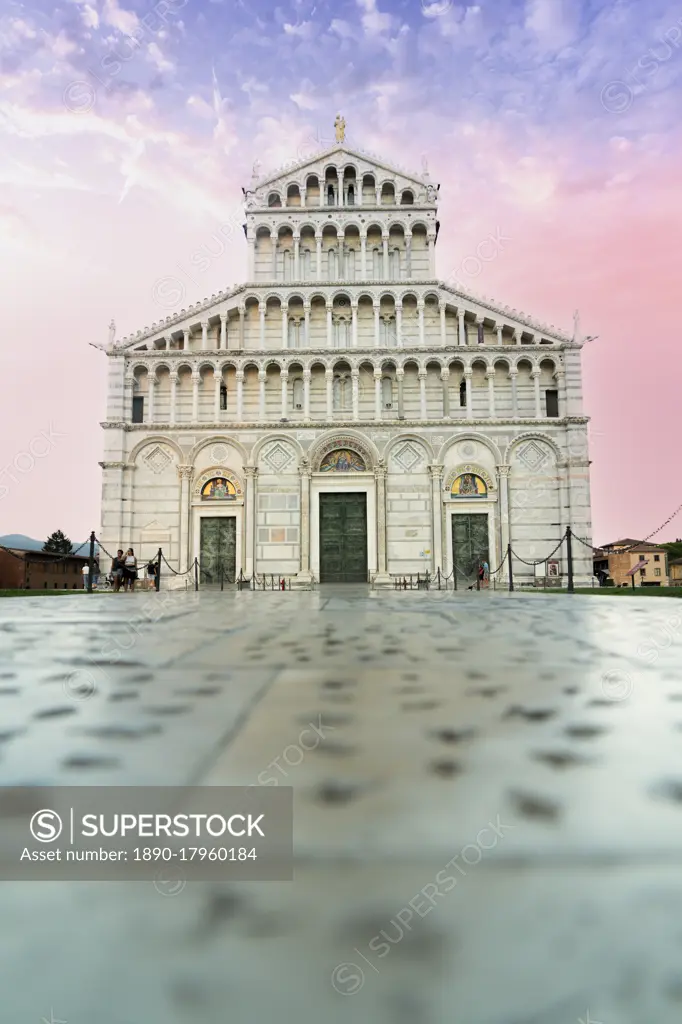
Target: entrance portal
{"type": "Point", "coordinates": [469, 545]}
{"type": "Point", "coordinates": [343, 538]}
{"type": "Point", "coordinates": [218, 554]}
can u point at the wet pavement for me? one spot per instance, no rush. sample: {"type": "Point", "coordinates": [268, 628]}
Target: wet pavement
{"type": "Point", "coordinates": [487, 805]}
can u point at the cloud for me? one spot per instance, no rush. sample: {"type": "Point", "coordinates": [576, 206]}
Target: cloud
{"type": "Point", "coordinates": [157, 58]}
{"type": "Point", "coordinates": [373, 21]}
{"type": "Point", "coordinates": [90, 16]}
{"type": "Point", "coordinates": [342, 29]}
{"type": "Point", "coordinates": [304, 31]}
{"type": "Point", "coordinates": [125, 21]}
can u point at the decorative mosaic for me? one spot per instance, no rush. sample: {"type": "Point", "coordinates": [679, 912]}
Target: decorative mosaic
{"type": "Point", "coordinates": [343, 460]}
{"type": "Point", "coordinates": [278, 457]}
{"type": "Point", "coordinates": [345, 442]}
{"type": "Point", "coordinates": [533, 456]}
{"type": "Point", "coordinates": [158, 459]}
{"type": "Point", "coordinates": [468, 485]}
{"type": "Point", "coordinates": [227, 478]}
{"type": "Point", "coordinates": [408, 456]}
{"type": "Point", "coordinates": [219, 489]}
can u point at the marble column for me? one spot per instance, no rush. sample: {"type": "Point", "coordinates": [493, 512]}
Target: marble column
{"type": "Point", "coordinates": [399, 324]}
{"type": "Point", "coordinates": [284, 377]}
{"type": "Point", "coordinates": [505, 525]}
{"type": "Point", "coordinates": [490, 377]}
{"type": "Point", "coordinates": [151, 389]}
{"type": "Point", "coordinates": [250, 473]}
{"type": "Point", "coordinates": [261, 318]}
{"type": "Point", "coordinates": [468, 374]}
{"type": "Point", "coordinates": [173, 397]}
{"type": "Point", "coordinates": [363, 257]}
{"type": "Point", "coordinates": [223, 331]}
{"type": "Point", "coordinates": [305, 575]}
{"type": "Point", "coordinates": [329, 380]}
{"type": "Point", "coordinates": [242, 313]}
{"type": "Point", "coordinates": [408, 257]}
{"type": "Point", "coordinates": [420, 314]}
{"type": "Point", "coordinates": [400, 377]}
{"type": "Point", "coordinates": [443, 336]}
{"type": "Point", "coordinates": [513, 374]}
{"type": "Point", "coordinates": [560, 378]}
{"type": "Point", "coordinates": [128, 389]}
{"type": "Point", "coordinates": [377, 195]}
{"type": "Point", "coordinates": [384, 239]}
{"type": "Point", "coordinates": [239, 376]}
{"type": "Point", "coordinates": [536, 388]}
{"type": "Point", "coordinates": [303, 197]}
{"type": "Point", "coordinates": [436, 517]}
{"type": "Point", "coordinates": [499, 328]}
{"type": "Point", "coordinates": [273, 268]}
{"type": "Point", "coordinates": [285, 327]}
{"type": "Point", "coordinates": [445, 377]}
{"type": "Point", "coordinates": [517, 336]}
{"type": "Point", "coordinates": [297, 257]}
{"type": "Point", "coordinates": [306, 395]}
{"type": "Point", "coordinates": [430, 242]}
{"type": "Point", "coordinates": [196, 379]}
{"type": "Point", "coordinates": [382, 579]}
{"type": "Point", "coordinates": [204, 335]}
{"type": "Point", "coordinates": [330, 326]}
{"type": "Point", "coordinates": [377, 394]}
{"type": "Point", "coordinates": [422, 393]}
{"type": "Point", "coordinates": [306, 324]}
{"type": "Point", "coordinates": [318, 257]}
{"type": "Point", "coordinates": [462, 327]}
{"type": "Point", "coordinates": [185, 475]}
{"type": "Point", "coordinates": [377, 333]}
{"type": "Point", "coordinates": [217, 381]}
{"type": "Point", "coordinates": [261, 394]}
{"type": "Point", "coordinates": [354, 324]}
{"type": "Point", "coordinates": [355, 380]}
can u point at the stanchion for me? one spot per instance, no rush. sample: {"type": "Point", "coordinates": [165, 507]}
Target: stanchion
{"type": "Point", "coordinates": [511, 575]}
{"type": "Point", "coordinates": [91, 561]}
{"type": "Point", "coordinates": [569, 559]}
{"type": "Point", "coordinates": [196, 574]}
{"type": "Point", "coordinates": [158, 570]}
{"type": "Point", "coordinates": [222, 577]}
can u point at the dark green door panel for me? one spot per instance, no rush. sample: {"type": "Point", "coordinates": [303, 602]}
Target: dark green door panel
{"type": "Point", "coordinates": [218, 555]}
{"type": "Point", "coordinates": [343, 538]}
{"type": "Point", "coordinates": [469, 544]}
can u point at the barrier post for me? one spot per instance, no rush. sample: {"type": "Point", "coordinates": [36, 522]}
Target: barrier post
{"type": "Point", "coordinates": [91, 561]}
{"type": "Point", "coordinates": [569, 559]}
{"type": "Point", "coordinates": [511, 576]}
{"type": "Point", "coordinates": [196, 574]}
{"type": "Point", "coordinates": [158, 570]}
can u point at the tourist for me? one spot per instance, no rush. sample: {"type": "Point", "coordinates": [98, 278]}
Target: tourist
{"type": "Point", "coordinates": [486, 575]}
{"type": "Point", "coordinates": [117, 567]}
{"type": "Point", "coordinates": [86, 575]}
{"type": "Point", "coordinates": [151, 575]}
{"type": "Point", "coordinates": [130, 570]}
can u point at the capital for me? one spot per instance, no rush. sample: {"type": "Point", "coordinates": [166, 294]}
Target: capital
{"type": "Point", "coordinates": [420, 303]}
{"type": "Point", "coordinates": [445, 374]}
{"type": "Point", "coordinates": [242, 310]}
{"type": "Point", "coordinates": [223, 317]}
{"type": "Point", "coordinates": [204, 325]}
{"type": "Point", "coordinates": [421, 374]}
{"type": "Point", "coordinates": [250, 472]}
{"type": "Point", "coordinates": [261, 375]}
{"type": "Point", "coordinates": [355, 373]}
{"type": "Point", "coordinates": [380, 472]}
{"type": "Point", "coordinates": [377, 374]}
{"type": "Point", "coordinates": [217, 374]}
{"type": "Point", "coordinates": [185, 472]}
{"type": "Point", "coordinates": [400, 373]}
{"type": "Point", "coordinates": [306, 373]}
{"type": "Point", "coordinates": [513, 373]}
{"type": "Point", "coordinates": [306, 307]}
{"type": "Point", "coordinates": [173, 376]}
{"type": "Point", "coordinates": [441, 305]}
{"type": "Point", "coordinates": [535, 373]}
{"type": "Point", "coordinates": [559, 373]}
{"type": "Point", "coordinates": [329, 374]}
{"type": "Point", "coordinates": [239, 375]}
{"type": "Point", "coordinates": [479, 319]}
{"type": "Point", "coordinates": [461, 313]}
{"type": "Point", "coordinates": [436, 471]}
{"type": "Point", "coordinates": [504, 471]}
{"type": "Point", "coordinates": [296, 236]}
{"type": "Point", "coordinates": [490, 373]}
{"type": "Point", "coordinates": [468, 373]}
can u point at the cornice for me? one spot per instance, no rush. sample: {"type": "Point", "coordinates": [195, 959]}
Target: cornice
{"type": "Point", "coordinates": [359, 208]}
{"type": "Point", "coordinates": [369, 424]}
{"type": "Point", "coordinates": [288, 169]}
{"type": "Point", "coordinates": [452, 352]}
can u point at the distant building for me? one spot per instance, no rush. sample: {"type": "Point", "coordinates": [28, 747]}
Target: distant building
{"type": "Point", "coordinates": [619, 558]}
{"type": "Point", "coordinates": [675, 572]}
{"type": "Point", "coordinates": [22, 569]}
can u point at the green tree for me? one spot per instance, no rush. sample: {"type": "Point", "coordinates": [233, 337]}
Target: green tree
{"type": "Point", "coordinates": [674, 548]}
{"type": "Point", "coordinates": [58, 543]}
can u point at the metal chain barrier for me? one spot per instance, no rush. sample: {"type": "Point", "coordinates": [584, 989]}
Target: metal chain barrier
{"type": "Point", "coordinates": [541, 560]}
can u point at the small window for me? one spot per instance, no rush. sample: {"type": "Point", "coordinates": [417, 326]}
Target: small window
{"type": "Point", "coordinates": [643, 572]}
{"type": "Point", "coordinates": [481, 335]}
{"type": "Point", "coordinates": [552, 400]}
{"type": "Point", "coordinates": [351, 195]}
{"type": "Point", "coordinates": [223, 397]}
{"type": "Point", "coordinates": [657, 558]}
{"type": "Point", "coordinates": [463, 394]}
{"type": "Point", "coordinates": [138, 409]}
{"type": "Point", "coordinates": [657, 572]}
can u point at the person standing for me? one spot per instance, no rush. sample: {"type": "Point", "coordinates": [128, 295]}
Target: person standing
{"type": "Point", "coordinates": [117, 567]}
{"type": "Point", "coordinates": [86, 575]}
{"type": "Point", "coordinates": [130, 570]}
{"type": "Point", "coordinates": [486, 574]}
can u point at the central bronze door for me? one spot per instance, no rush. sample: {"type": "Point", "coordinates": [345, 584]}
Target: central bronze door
{"type": "Point", "coordinates": [218, 555]}
{"type": "Point", "coordinates": [343, 538]}
{"type": "Point", "coordinates": [469, 545]}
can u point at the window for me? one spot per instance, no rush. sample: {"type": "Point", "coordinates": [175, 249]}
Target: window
{"type": "Point", "coordinates": [657, 558]}
{"type": "Point", "coordinates": [351, 195]}
{"type": "Point", "coordinates": [552, 401]}
{"type": "Point", "coordinates": [331, 198]}
{"type": "Point", "coordinates": [305, 259]}
{"type": "Point", "coordinates": [341, 331]}
{"type": "Point", "coordinates": [332, 265]}
{"type": "Point", "coordinates": [657, 572]}
{"type": "Point", "coordinates": [643, 572]}
{"type": "Point", "coordinates": [377, 256]}
{"type": "Point", "coordinates": [138, 409]}
{"type": "Point", "coordinates": [223, 397]}
{"type": "Point", "coordinates": [463, 394]}
{"type": "Point", "coordinates": [387, 392]}
{"type": "Point", "coordinates": [349, 270]}
{"type": "Point", "coordinates": [294, 333]}
{"type": "Point", "coordinates": [387, 332]}
{"type": "Point", "coordinates": [288, 261]}
{"type": "Point", "coordinates": [394, 264]}
{"type": "Point", "coordinates": [298, 393]}
{"type": "Point", "coordinates": [343, 396]}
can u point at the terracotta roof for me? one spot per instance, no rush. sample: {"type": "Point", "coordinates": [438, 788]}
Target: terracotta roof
{"type": "Point", "coordinates": [634, 545]}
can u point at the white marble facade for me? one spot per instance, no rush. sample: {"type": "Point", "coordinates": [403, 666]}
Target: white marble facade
{"type": "Point", "coordinates": [344, 338]}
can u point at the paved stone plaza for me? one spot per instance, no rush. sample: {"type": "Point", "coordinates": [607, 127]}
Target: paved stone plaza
{"type": "Point", "coordinates": [487, 831]}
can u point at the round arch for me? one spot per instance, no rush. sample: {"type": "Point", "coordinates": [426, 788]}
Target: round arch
{"type": "Point", "coordinates": [531, 435]}
{"type": "Point", "coordinates": [343, 439]}
{"type": "Point", "coordinates": [471, 435]}
{"type": "Point", "coordinates": [152, 440]}
{"type": "Point", "coordinates": [218, 439]}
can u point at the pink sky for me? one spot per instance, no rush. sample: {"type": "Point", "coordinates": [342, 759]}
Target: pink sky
{"type": "Point", "coordinates": [99, 205]}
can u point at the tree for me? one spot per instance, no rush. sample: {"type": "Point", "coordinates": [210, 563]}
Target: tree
{"type": "Point", "coordinates": [674, 548]}
{"type": "Point", "coordinates": [58, 544]}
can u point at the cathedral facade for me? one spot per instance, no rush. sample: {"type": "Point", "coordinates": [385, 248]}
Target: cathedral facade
{"type": "Point", "coordinates": [345, 415]}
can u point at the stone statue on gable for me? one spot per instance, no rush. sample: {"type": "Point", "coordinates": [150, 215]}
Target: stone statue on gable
{"type": "Point", "coordinates": [340, 126]}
